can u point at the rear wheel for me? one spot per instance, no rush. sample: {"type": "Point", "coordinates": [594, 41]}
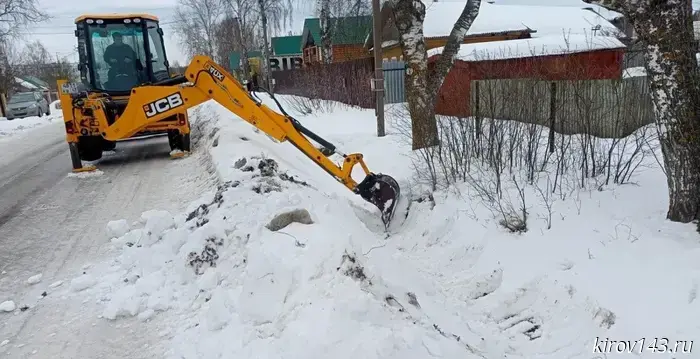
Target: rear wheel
{"type": "Point", "coordinates": [108, 145]}
{"type": "Point", "coordinates": [90, 148]}
{"type": "Point", "coordinates": [178, 141]}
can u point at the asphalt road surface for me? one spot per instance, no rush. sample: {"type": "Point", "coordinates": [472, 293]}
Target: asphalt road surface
{"type": "Point", "coordinates": [54, 223]}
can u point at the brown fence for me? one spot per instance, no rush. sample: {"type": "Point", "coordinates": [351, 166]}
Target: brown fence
{"type": "Point", "coordinates": [602, 108]}
{"type": "Point", "coordinates": [347, 82]}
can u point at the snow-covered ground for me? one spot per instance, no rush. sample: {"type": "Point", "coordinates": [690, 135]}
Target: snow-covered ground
{"type": "Point", "coordinates": [19, 125]}
{"type": "Point", "coordinates": [451, 282]}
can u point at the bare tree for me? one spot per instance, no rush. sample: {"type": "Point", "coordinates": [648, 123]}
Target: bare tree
{"type": "Point", "coordinates": [243, 27]}
{"type": "Point", "coordinates": [666, 30]}
{"type": "Point", "coordinates": [9, 58]}
{"type": "Point", "coordinates": [225, 40]}
{"type": "Point", "coordinates": [196, 22]}
{"type": "Point", "coordinates": [16, 14]}
{"type": "Point", "coordinates": [37, 61]}
{"type": "Point", "coordinates": [273, 15]}
{"type": "Point", "coordinates": [421, 86]}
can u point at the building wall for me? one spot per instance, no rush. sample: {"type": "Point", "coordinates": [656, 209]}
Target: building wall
{"type": "Point", "coordinates": [394, 52]}
{"type": "Point", "coordinates": [455, 92]}
{"type": "Point", "coordinates": [341, 53]}
{"type": "Point", "coordinates": [349, 52]}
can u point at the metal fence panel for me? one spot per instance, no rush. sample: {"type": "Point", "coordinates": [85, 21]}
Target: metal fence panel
{"type": "Point", "coordinates": [394, 71]}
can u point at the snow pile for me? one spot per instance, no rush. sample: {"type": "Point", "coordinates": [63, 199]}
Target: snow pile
{"type": "Point", "coordinates": [537, 46]}
{"type": "Point", "coordinates": [225, 282]}
{"type": "Point", "coordinates": [20, 125]}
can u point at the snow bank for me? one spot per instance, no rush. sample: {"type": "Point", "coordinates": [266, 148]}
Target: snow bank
{"type": "Point", "coordinates": [536, 46]}
{"type": "Point", "coordinates": [451, 283]}
{"type": "Point", "coordinates": [20, 125]}
{"type": "Point", "coordinates": [441, 16]}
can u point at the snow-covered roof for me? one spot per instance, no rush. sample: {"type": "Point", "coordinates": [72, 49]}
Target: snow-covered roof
{"type": "Point", "coordinates": [537, 46]}
{"type": "Point", "coordinates": [605, 13]}
{"type": "Point", "coordinates": [25, 84]}
{"type": "Point", "coordinates": [440, 17]}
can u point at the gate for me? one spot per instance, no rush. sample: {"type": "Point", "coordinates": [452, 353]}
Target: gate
{"type": "Point", "coordinates": [394, 71]}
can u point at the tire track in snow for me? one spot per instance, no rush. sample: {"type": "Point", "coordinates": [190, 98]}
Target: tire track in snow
{"type": "Point", "coordinates": [60, 227]}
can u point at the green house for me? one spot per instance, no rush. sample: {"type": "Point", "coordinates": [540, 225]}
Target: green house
{"type": "Point", "coordinates": [235, 58]}
{"type": "Point", "coordinates": [286, 46]}
{"type": "Point", "coordinates": [348, 34]}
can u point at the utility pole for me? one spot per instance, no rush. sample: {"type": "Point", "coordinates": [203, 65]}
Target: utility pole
{"type": "Point", "coordinates": [378, 81]}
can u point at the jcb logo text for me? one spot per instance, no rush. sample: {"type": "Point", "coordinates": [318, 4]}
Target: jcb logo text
{"type": "Point", "coordinates": [162, 105]}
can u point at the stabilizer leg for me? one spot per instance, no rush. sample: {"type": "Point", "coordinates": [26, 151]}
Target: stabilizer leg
{"type": "Point", "coordinates": [76, 161]}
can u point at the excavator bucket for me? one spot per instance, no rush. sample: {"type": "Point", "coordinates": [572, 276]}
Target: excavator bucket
{"type": "Point", "coordinates": [382, 191]}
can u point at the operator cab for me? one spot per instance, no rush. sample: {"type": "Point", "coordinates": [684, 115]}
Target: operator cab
{"type": "Point", "coordinates": [118, 52]}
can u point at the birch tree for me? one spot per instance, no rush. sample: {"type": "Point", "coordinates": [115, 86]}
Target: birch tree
{"type": "Point", "coordinates": [421, 86]}
{"type": "Point", "coordinates": [273, 15]}
{"type": "Point", "coordinates": [325, 22]}
{"type": "Point", "coordinates": [665, 28]}
{"type": "Point", "coordinates": [196, 22]}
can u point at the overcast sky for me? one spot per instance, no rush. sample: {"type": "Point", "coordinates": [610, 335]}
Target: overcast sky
{"type": "Point", "coordinates": [57, 34]}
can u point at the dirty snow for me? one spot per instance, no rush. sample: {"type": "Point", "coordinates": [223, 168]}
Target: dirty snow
{"type": "Point", "coordinates": [450, 283]}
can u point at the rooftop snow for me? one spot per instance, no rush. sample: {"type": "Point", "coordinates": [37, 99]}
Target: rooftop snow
{"type": "Point", "coordinates": [538, 46]}
{"type": "Point", "coordinates": [605, 13]}
{"type": "Point", "coordinates": [440, 17]}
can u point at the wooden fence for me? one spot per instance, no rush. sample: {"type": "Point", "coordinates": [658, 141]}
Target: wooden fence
{"type": "Point", "coordinates": [602, 108]}
{"type": "Point", "coordinates": [347, 82]}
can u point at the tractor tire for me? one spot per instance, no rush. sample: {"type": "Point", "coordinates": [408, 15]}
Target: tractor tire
{"type": "Point", "coordinates": [90, 148]}
{"type": "Point", "coordinates": [178, 141]}
{"type": "Point", "coordinates": [108, 145]}
{"type": "Point", "coordinates": [186, 143]}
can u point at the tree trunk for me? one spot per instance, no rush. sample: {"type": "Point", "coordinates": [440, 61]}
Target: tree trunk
{"type": "Point", "coordinates": [667, 31]}
{"type": "Point", "coordinates": [409, 16]}
{"type": "Point", "coordinates": [325, 22]}
{"type": "Point", "coordinates": [245, 68]}
{"type": "Point", "coordinates": [265, 66]}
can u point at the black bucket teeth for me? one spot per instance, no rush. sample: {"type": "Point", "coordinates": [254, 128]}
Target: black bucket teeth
{"type": "Point", "coordinates": [382, 191]}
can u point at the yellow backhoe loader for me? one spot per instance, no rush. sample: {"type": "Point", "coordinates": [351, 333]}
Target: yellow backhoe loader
{"type": "Point", "coordinates": [126, 90]}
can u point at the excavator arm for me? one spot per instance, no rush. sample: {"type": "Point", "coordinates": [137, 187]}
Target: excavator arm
{"type": "Point", "coordinates": [205, 80]}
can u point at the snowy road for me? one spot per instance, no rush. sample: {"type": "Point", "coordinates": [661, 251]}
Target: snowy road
{"type": "Point", "coordinates": [54, 224]}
